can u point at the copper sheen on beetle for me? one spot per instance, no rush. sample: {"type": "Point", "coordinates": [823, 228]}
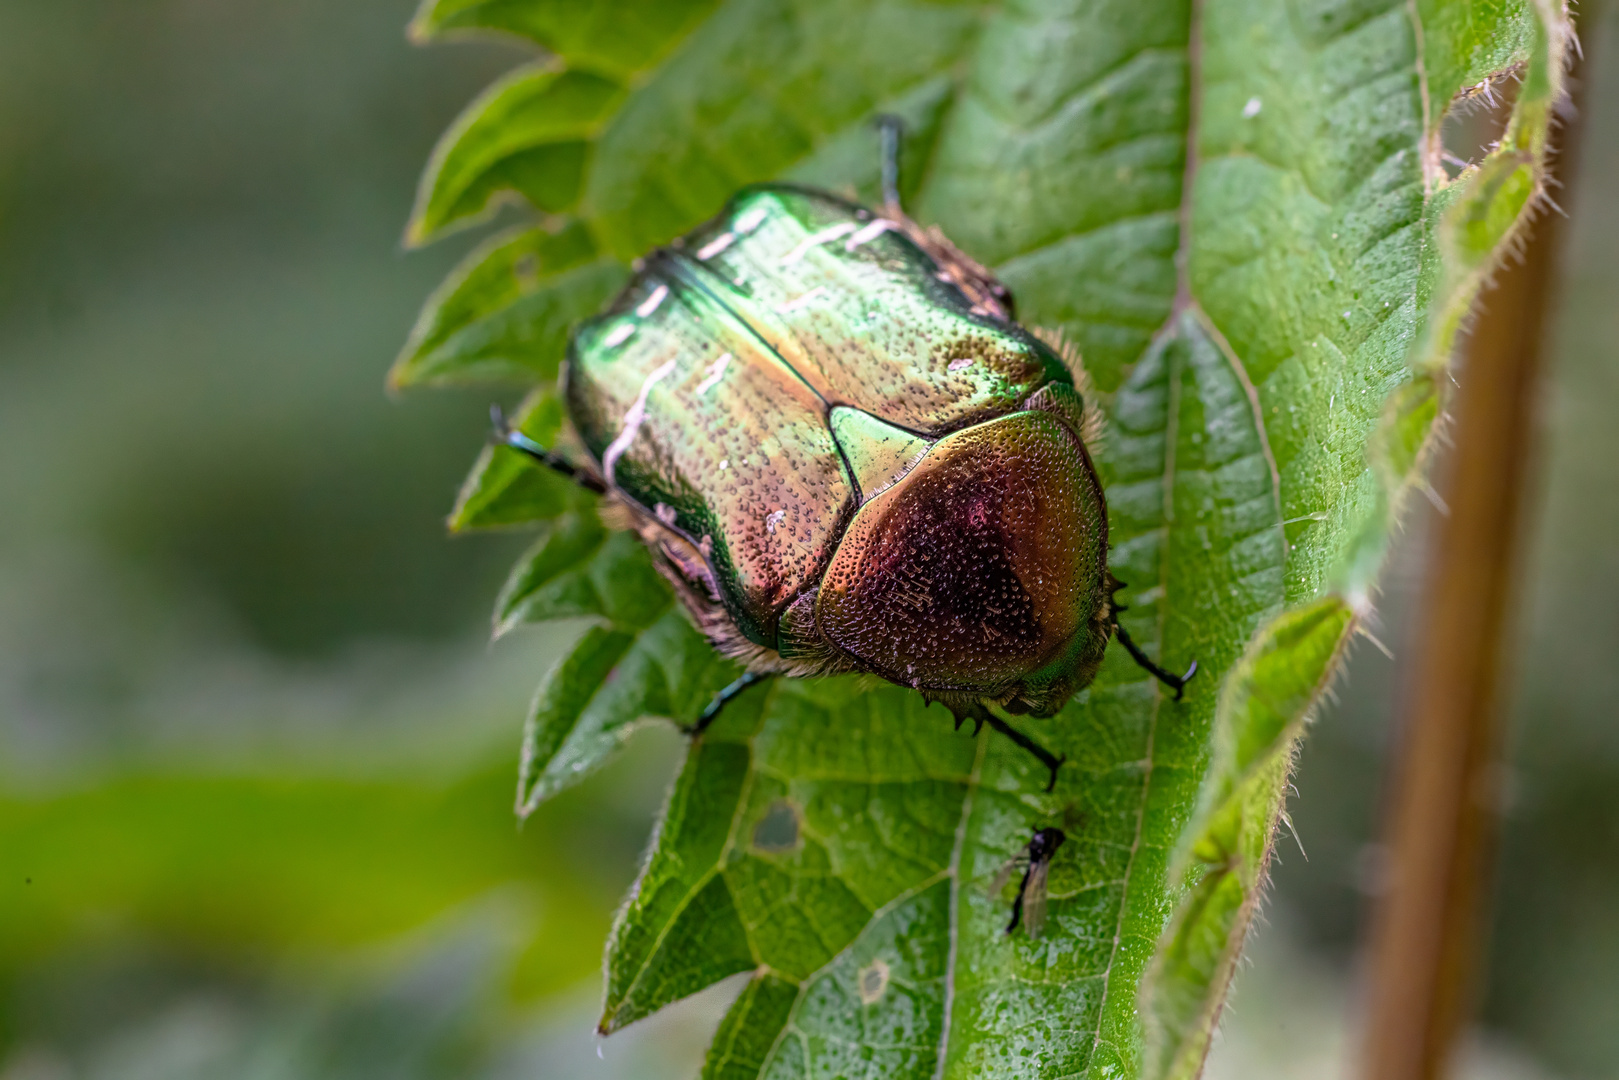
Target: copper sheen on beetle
{"type": "Point", "coordinates": [846, 456]}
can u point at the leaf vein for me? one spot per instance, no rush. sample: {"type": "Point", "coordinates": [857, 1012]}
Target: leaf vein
{"type": "Point", "coordinates": [953, 952]}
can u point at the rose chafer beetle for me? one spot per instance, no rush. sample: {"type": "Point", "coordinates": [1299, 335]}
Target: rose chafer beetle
{"type": "Point", "coordinates": [846, 456]}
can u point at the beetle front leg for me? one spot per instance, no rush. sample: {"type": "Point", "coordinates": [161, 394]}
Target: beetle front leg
{"type": "Point", "coordinates": [891, 129]}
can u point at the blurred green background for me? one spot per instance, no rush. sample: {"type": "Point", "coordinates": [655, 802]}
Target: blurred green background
{"type": "Point", "coordinates": [256, 755]}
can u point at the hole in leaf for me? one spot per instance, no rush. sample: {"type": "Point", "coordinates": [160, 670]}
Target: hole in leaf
{"type": "Point", "coordinates": [1476, 119]}
{"type": "Point", "coordinates": [778, 829]}
{"type": "Point", "coordinates": [873, 982]}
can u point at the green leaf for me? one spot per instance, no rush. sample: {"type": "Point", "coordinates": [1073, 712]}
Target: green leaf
{"type": "Point", "coordinates": [613, 39]}
{"type": "Point", "coordinates": [749, 1030]}
{"type": "Point", "coordinates": [1262, 710]}
{"type": "Point", "coordinates": [530, 133]}
{"type": "Point", "coordinates": [642, 659]}
{"type": "Point", "coordinates": [614, 678]}
{"type": "Point", "coordinates": [1238, 213]}
{"type": "Point", "coordinates": [753, 92]}
{"type": "Point", "coordinates": [564, 695]}
{"type": "Point", "coordinates": [580, 567]}
{"type": "Point", "coordinates": [504, 314]}
{"type": "Point", "coordinates": [808, 816]}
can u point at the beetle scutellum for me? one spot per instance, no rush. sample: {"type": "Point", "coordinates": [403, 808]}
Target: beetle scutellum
{"type": "Point", "coordinates": [847, 457]}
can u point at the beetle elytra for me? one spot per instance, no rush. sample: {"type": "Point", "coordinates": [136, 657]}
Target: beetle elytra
{"type": "Point", "coordinates": [846, 456]}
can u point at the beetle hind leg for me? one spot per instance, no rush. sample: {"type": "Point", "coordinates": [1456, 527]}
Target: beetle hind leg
{"type": "Point", "coordinates": [980, 716]}
{"type": "Point", "coordinates": [506, 435]}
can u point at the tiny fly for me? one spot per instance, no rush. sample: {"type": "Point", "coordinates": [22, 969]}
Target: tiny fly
{"type": "Point", "coordinates": [1030, 906]}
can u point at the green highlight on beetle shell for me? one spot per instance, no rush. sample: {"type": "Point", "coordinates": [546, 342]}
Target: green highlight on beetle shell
{"type": "Point", "coordinates": [844, 462]}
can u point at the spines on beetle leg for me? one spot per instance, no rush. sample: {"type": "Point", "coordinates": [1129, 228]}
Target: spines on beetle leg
{"type": "Point", "coordinates": [1094, 427]}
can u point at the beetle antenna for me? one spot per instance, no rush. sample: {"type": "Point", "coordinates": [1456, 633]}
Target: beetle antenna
{"type": "Point", "coordinates": [890, 128]}
{"type": "Point", "coordinates": [1176, 683]}
{"type": "Point", "coordinates": [506, 435]}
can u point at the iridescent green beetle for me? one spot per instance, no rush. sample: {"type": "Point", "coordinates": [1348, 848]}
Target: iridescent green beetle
{"type": "Point", "coordinates": [847, 457]}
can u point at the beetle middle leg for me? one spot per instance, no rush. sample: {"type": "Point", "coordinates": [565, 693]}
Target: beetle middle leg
{"type": "Point", "coordinates": [981, 716]}
{"type": "Point", "coordinates": [1175, 682]}
{"type": "Point", "coordinates": [708, 715]}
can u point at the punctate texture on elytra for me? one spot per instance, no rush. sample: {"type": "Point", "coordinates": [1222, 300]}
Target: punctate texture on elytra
{"type": "Point", "coordinates": [826, 438]}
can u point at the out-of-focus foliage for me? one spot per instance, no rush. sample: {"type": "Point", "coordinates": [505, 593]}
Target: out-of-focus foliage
{"type": "Point", "coordinates": [255, 756]}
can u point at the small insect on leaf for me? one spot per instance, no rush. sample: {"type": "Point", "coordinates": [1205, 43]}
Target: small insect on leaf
{"type": "Point", "coordinates": [1034, 899]}
{"type": "Point", "coordinates": [1029, 908]}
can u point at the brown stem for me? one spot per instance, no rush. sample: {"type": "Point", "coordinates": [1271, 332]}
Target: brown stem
{"type": "Point", "coordinates": [1439, 834]}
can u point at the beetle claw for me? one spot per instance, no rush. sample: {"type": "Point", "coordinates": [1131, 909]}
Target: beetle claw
{"type": "Point", "coordinates": [1175, 682]}
{"type": "Point", "coordinates": [982, 716]}
{"type": "Point", "coordinates": [976, 713]}
{"type": "Point", "coordinates": [1180, 684]}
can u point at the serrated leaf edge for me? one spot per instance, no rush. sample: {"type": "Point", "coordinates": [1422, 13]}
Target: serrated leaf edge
{"type": "Point", "coordinates": [1524, 145]}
